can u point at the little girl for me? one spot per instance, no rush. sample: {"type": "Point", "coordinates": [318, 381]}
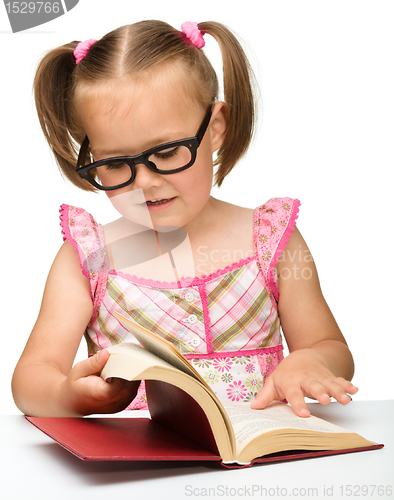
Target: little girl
{"type": "Point", "coordinates": [136, 115]}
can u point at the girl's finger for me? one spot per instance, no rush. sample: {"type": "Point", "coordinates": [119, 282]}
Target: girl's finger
{"type": "Point", "coordinates": [95, 387]}
{"type": "Point", "coordinates": [295, 397]}
{"type": "Point", "coordinates": [314, 389]}
{"type": "Point", "coordinates": [117, 389]}
{"type": "Point", "coordinates": [337, 391]}
{"type": "Point", "coordinates": [267, 394]}
{"type": "Point", "coordinates": [347, 386]}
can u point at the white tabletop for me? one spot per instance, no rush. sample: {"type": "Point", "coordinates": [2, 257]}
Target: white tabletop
{"type": "Point", "coordinates": [32, 466]}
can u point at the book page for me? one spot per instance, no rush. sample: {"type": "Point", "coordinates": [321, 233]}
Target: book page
{"type": "Point", "coordinates": [248, 423]}
{"type": "Point", "coordinates": [134, 360]}
{"type": "Point", "coordinates": [160, 347]}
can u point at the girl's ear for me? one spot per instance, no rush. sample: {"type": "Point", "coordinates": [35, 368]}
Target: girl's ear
{"type": "Point", "coordinates": [218, 125]}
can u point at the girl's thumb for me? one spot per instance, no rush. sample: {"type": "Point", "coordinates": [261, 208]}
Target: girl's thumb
{"type": "Point", "coordinates": [99, 359]}
{"type": "Point", "coordinates": [91, 366]}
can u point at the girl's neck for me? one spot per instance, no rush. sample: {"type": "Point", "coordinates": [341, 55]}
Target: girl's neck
{"type": "Point", "coordinates": [207, 220]}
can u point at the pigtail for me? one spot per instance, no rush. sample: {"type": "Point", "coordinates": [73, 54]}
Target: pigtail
{"type": "Point", "coordinates": [53, 93]}
{"type": "Point", "coordinates": [238, 95]}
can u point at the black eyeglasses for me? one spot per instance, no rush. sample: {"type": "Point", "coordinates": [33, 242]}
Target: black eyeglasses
{"type": "Point", "coordinates": [118, 172]}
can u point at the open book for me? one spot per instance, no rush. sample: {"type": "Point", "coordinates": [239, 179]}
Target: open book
{"type": "Point", "coordinates": [188, 422]}
{"type": "Point", "coordinates": [180, 399]}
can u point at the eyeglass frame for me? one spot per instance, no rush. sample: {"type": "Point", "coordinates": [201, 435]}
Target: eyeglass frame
{"type": "Point", "coordinates": [192, 143]}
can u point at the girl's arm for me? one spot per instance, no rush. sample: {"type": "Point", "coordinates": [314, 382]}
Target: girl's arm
{"type": "Point", "coordinates": [320, 364]}
{"type": "Point", "coordinates": [44, 382]}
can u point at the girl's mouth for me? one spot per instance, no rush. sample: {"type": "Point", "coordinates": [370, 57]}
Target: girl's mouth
{"type": "Point", "coordinates": [159, 204]}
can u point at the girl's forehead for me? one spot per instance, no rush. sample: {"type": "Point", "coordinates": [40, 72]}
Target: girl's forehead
{"type": "Point", "coordinates": [160, 94]}
{"type": "Point", "coordinates": [137, 108]}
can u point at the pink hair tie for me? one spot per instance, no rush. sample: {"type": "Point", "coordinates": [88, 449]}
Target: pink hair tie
{"type": "Point", "coordinates": [82, 49]}
{"type": "Point", "coordinates": [192, 32]}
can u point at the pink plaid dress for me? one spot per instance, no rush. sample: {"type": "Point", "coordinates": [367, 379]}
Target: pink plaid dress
{"type": "Point", "coordinates": [226, 324]}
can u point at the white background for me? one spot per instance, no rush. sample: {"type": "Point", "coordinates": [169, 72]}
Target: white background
{"type": "Point", "coordinates": [325, 70]}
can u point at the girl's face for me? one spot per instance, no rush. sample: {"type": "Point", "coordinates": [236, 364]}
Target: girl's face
{"type": "Point", "coordinates": [139, 116]}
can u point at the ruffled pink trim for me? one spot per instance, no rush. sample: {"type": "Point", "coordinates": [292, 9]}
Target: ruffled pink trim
{"type": "Point", "coordinates": [98, 285]}
{"type": "Point", "coordinates": [233, 354]}
{"type": "Point", "coordinates": [269, 253]}
{"type": "Point", "coordinates": [67, 236]}
{"type": "Point", "coordinates": [207, 320]}
{"type": "Point", "coordinates": [101, 285]}
{"type": "Point", "coordinates": [189, 281]}
{"type": "Point", "coordinates": [281, 246]}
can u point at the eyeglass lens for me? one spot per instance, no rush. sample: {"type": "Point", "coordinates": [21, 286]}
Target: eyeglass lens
{"type": "Point", "coordinates": [117, 172]}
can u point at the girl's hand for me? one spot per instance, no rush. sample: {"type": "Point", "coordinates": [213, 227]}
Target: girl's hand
{"type": "Point", "coordinates": [303, 373]}
{"type": "Point", "coordinates": [84, 392]}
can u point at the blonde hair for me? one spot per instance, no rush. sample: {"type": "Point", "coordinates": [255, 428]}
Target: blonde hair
{"type": "Point", "coordinates": [131, 51]}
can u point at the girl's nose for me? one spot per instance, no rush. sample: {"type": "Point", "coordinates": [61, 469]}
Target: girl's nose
{"type": "Point", "coordinates": [145, 178]}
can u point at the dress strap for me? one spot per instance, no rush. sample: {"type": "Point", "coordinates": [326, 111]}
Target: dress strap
{"type": "Point", "coordinates": [87, 237]}
{"type": "Point", "coordinates": [274, 223]}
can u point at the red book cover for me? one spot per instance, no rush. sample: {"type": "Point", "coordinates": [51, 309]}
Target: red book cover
{"type": "Point", "coordinates": [178, 430]}
{"type": "Point", "coordinates": [141, 439]}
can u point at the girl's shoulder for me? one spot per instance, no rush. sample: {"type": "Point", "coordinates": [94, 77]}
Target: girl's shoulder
{"type": "Point", "coordinates": [86, 236]}
{"type": "Point", "coordinates": [273, 209]}
{"type": "Point", "coordinates": [275, 221]}
{"type": "Point", "coordinates": [270, 224]}
{"type": "Point", "coordinates": [272, 217]}
{"type": "Point", "coordinates": [277, 209]}
{"type": "Point", "coordinates": [80, 229]}
{"type": "Point", "coordinates": [74, 218]}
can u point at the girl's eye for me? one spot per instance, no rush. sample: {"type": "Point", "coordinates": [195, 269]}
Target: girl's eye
{"type": "Point", "coordinates": [166, 153]}
{"type": "Point", "coordinates": [115, 165]}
